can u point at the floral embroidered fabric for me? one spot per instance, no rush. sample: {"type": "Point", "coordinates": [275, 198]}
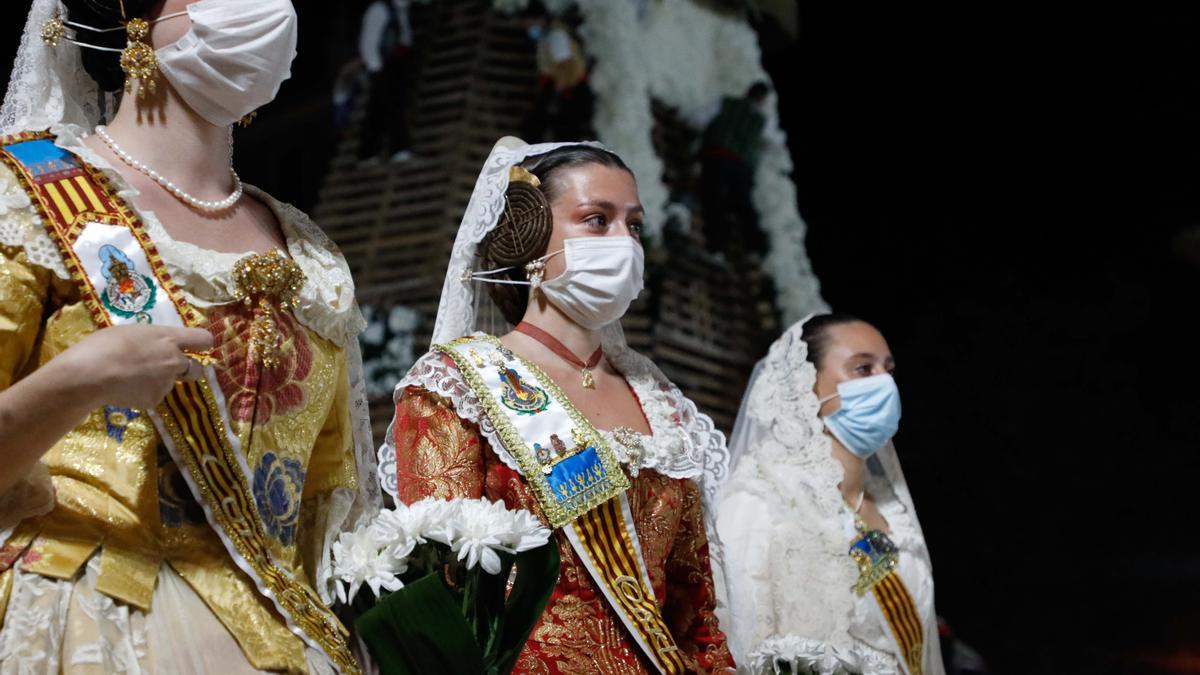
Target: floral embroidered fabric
{"type": "Point", "coordinates": [684, 442]}
{"type": "Point", "coordinates": [442, 454]}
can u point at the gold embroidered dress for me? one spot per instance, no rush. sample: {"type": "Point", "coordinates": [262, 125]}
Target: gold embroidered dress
{"type": "Point", "coordinates": [442, 452]}
{"type": "Point", "coordinates": [636, 589]}
{"type": "Point", "coordinates": [441, 445]}
{"type": "Point", "coordinates": [108, 562]}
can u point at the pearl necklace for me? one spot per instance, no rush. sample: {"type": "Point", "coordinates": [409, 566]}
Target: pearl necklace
{"type": "Point", "coordinates": [198, 204]}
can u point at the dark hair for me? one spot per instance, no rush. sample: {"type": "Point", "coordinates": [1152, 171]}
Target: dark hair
{"type": "Point", "coordinates": [758, 91]}
{"type": "Point", "coordinates": [548, 167]}
{"type": "Point", "coordinates": [104, 67]}
{"type": "Point", "coordinates": [816, 333]}
{"type": "Point", "coordinates": [523, 231]}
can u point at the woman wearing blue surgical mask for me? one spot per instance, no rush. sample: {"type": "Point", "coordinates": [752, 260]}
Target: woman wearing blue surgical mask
{"type": "Point", "coordinates": [183, 431]}
{"type": "Point", "coordinates": [826, 569]}
{"type": "Point", "coordinates": [559, 416]}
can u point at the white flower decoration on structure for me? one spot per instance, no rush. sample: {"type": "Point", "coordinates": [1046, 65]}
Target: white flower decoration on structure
{"type": "Point", "coordinates": [663, 51]}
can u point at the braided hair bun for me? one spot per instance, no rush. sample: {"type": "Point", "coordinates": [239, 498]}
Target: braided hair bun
{"type": "Point", "coordinates": [523, 231]}
{"type": "Point", "coordinates": [521, 235]}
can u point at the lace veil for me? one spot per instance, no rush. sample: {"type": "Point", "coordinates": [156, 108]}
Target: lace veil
{"type": "Point", "coordinates": [48, 85]}
{"type": "Point", "coordinates": [781, 466]}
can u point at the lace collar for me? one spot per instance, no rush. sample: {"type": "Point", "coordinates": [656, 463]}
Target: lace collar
{"type": "Point", "coordinates": [672, 448]}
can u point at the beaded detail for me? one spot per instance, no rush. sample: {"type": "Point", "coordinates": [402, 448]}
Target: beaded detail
{"type": "Point", "coordinates": [269, 282]}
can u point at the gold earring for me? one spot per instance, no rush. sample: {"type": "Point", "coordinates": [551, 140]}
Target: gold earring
{"type": "Point", "coordinates": [138, 59]}
{"type": "Point", "coordinates": [247, 119]}
{"type": "Point", "coordinates": [535, 270]}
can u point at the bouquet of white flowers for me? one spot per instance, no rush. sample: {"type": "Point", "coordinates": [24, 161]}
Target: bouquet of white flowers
{"type": "Point", "coordinates": [456, 586]}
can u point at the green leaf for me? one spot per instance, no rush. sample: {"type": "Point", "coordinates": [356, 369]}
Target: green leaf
{"type": "Point", "coordinates": [537, 575]}
{"type": "Point", "coordinates": [420, 629]}
{"type": "Point", "coordinates": [426, 627]}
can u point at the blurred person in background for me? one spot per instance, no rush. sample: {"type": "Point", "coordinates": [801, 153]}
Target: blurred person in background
{"type": "Point", "coordinates": [385, 45]}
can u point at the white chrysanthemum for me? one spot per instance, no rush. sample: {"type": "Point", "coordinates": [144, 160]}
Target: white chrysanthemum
{"type": "Point", "coordinates": [439, 520]}
{"type": "Point", "coordinates": [525, 532]}
{"type": "Point", "coordinates": [476, 533]}
{"type": "Point", "coordinates": [358, 558]}
{"type": "Point", "coordinates": [429, 515]}
{"type": "Point", "coordinates": [403, 528]}
{"type": "Point", "coordinates": [478, 530]}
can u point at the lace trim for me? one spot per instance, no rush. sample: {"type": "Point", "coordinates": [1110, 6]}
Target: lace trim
{"type": "Point", "coordinates": [434, 374]}
{"type": "Point", "coordinates": [21, 227]}
{"type": "Point", "coordinates": [47, 85]}
{"type": "Point", "coordinates": [42, 633]}
{"type": "Point", "coordinates": [781, 427]}
{"type": "Point", "coordinates": [682, 437]}
{"type": "Point", "coordinates": [36, 628]}
{"type": "Point", "coordinates": [456, 311]}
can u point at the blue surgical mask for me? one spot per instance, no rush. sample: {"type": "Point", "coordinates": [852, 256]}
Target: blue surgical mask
{"type": "Point", "coordinates": [535, 32]}
{"type": "Point", "coordinates": [869, 416]}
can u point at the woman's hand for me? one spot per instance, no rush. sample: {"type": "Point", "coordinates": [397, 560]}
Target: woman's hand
{"type": "Point", "coordinates": [129, 366]}
{"type": "Point", "coordinates": [133, 366]}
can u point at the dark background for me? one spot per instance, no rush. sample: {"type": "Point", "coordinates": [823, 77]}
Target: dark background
{"type": "Point", "coordinates": [1001, 190]}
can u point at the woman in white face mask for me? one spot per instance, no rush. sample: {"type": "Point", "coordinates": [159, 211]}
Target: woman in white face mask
{"type": "Point", "coordinates": [181, 420]}
{"type": "Point", "coordinates": [826, 568]}
{"type": "Point", "coordinates": [560, 417]}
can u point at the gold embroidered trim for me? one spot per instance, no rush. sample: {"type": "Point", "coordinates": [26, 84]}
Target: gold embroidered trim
{"type": "Point", "coordinates": [201, 439]}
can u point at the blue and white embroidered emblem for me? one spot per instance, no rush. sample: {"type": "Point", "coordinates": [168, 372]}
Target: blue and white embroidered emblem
{"type": "Point", "coordinates": [126, 293]}
{"type": "Point", "coordinates": [575, 475]}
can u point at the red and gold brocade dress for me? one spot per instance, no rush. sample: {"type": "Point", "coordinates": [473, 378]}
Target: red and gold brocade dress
{"type": "Point", "coordinates": [445, 447]}
{"type": "Point", "coordinates": [107, 561]}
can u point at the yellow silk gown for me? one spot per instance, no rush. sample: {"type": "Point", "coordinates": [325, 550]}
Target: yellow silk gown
{"type": "Point", "coordinates": [120, 571]}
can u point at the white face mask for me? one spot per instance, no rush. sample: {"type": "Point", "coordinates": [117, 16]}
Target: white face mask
{"type": "Point", "coordinates": [233, 59]}
{"type": "Point", "coordinates": [603, 275]}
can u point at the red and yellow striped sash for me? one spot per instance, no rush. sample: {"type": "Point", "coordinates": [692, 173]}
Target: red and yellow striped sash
{"type": "Point", "coordinates": [901, 613]}
{"type": "Point", "coordinates": [70, 195]}
{"type": "Point", "coordinates": [607, 544]}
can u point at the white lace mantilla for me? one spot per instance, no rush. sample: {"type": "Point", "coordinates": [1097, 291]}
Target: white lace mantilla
{"type": "Point", "coordinates": [780, 517]}
{"type": "Point", "coordinates": [327, 304]}
{"type": "Point", "coordinates": [681, 439]}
